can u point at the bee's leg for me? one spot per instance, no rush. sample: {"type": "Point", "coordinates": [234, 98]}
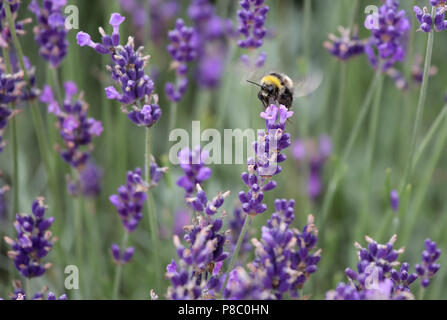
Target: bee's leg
{"type": "Point", "coordinates": [262, 98]}
{"type": "Point", "coordinates": [286, 99]}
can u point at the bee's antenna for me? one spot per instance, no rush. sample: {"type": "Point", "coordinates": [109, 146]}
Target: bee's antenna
{"type": "Point", "coordinates": [252, 82]}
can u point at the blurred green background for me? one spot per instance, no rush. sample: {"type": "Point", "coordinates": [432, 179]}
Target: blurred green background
{"type": "Point", "coordinates": [295, 47]}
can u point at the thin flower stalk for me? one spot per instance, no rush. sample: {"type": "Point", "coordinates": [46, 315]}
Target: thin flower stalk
{"type": "Point", "coordinates": [420, 108]}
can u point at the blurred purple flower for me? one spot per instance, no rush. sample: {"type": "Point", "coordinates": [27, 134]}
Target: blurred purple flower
{"type": "Point", "coordinates": [394, 200]}
{"type": "Point", "coordinates": [3, 205]}
{"type": "Point", "coordinates": [425, 19]}
{"type": "Point", "coordinates": [76, 129]}
{"type": "Point", "coordinates": [182, 219]}
{"type": "Point", "coordinates": [5, 30]}
{"type": "Point", "coordinates": [122, 257]}
{"type": "Point", "coordinates": [315, 157]}
{"type": "Point", "coordinates": [428, 268]}
{"type": "Point", "coordinates": [346, 46]}
{"type": "Point", "coordinates": [251, 23]}
{"type": "Point", "coordinates": [390, 37]}
{"type": "Point", "coordinates": [89, 183]}
{"type": "Point", "coordinates": [34, 241]}
{"type": "Point", "coordinates": [192, 163]}
{"type": "Point", "coordinates": [50, 32]}
{"type": "Point", "coordinates": [130, 200]}
{"type": "Point", "coordinates": [183, 50]}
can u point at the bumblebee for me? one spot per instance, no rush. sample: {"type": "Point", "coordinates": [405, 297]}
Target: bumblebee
{"type": "Point", "coordinates": [279, 88]}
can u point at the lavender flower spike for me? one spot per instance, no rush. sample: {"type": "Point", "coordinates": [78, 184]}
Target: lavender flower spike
{"type": "Point", "coordinates": [192, 163]}
{"type": "Point", "coordinates": [34, 241]}
{"type": "Point", "coordinates": [50, 32]}
{"type": "Point", "coordinates": [394, 200]}
{"type": "Point", "coordinates": [346, 46]}
{"type": "Point", "coordinates": [427, 23]}
{"type": "Point", "coordinates": [268, 148]}
{"type": "Point", "coordinates": [130, 200]}
{"type": "Point", "coordinates": [387, 43]}
{"type": "Point", "coordinates": [251, 23]}
{"type": "Point", "coordinates": [428, 268]}
{"type": "Point", "coordinates": [76, 129]}
{"type": "Point", "coordinates": [183, 50]}
{"type": "Point", "coordinates": [127, 66]}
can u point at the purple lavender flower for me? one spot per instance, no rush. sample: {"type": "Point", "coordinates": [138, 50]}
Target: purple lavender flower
{"type": "Point", "coordinates": [5, 115]}
{"type": "Point", "coordinates": [182, 219]}
{"type": "Point", "coordinates": [183, 45]}
{"type": "Point", "coordinates": [183, 50]}
{"type": "Point", "coordinates": [127, 69]}
{"type": "Point", "coordinates": [147, 116]}
{"type": "Point", "coordinates": [244, 286]}
{"type": "Point", "coordinates": [3, 206]}
{"type": "Point", "coordinates": [418, 71]}
{"type": "Point", "coordinates": [394, 200]}
{"type": "Point", "coordinates": [398, 78]}
{"type": "Point", "coordinates": [192, 163]}
{"type": "Point", "coordinates": [286, 257]}
{"type": "Point", "coordinates": [211, 43]}
{"type": "Point", "coordinates": [378, 258]}
{"type": "Point", "coordinates": [120, 257]}
{"type": "Point", "coordinates": [5, 30]}
{"type": "Point", "coordinates": [427, 23]}
{"type": "Point", "coordinates": [184, 284]}
{"type": "Point", "coordinates": [376, 276]}
{"type": "Point", "coordinates": [34, 241]}
{"type": "Point", "coordinates": [315, 157]}
{"type": "Point", "coordinates": [175, 93]}
{"type": "Point", "coordinates": [390, 37]}
{"type": "Point", "coordinates": [130, 200]}
{"type": "Point", "coordinates": [156, 172]}
{"type": "Point", "coordinates": [346, 46]}
{"type": "Point", "coordinates": [161, 15]}
{"type": "Point", "coordinates": [13, 87]}
{"type": "Point", "coordinates": [203, 255]}
{"type": "Point", "coordinates": [345, 292]}
{"type": "Point", "coordinates": [428, 268]}
{"type": "Point", "coordinates": [76, 129]}
{"type": "Point", "coordinates": [268, 149]}
{"type": "Point", "coordinates": [89, 182]}
{"type": "Point", "coordinates": [251, 23]}
{"type": "Point", "coordinates": [200, 202]}
{"type": "Point", "coordinates": [50, 32]}
{"type": "Point", "coordinates": [19, 293]}
{"type": "Point", "coordinates": [403, 278]}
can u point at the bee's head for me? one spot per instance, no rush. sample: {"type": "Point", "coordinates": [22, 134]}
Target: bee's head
{"type": "Point", "coordinates": [268, 88]}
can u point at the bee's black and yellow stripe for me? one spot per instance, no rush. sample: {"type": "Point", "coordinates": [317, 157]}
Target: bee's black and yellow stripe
{"type": "Point", "coordinates": [277, 87]}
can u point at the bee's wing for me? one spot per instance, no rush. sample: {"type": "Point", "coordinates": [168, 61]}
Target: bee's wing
{"type": "Point", "coordinates": [308, 84]}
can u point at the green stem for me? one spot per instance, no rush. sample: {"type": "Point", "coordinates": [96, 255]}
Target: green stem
{"type": "Point", "coordinates": [429, 136]}
{"type": "Point", "coordinates": [172, 116]}
{"type": "Point", "coordinates": [340, 106]}
{"type": "Point", "coordinates": [411, 217]}
{"type": "Point", "coordinates": [28, 292]}
{"type": "Point", "coordinates": [307, 29]}
{"type": "Point", "coordinates": [370, 155]}
{"type": "Point", "coordinates": [79, 234]}
{"type": "Point", "coordinates": [37, 118]}
{"type": "Point", "coordinates": [244, 230]}
{"type": "Point", "coordinates": [117, 281]}
{"type": "Point", "coordinates": [341, 167]}
{"type": "Point", "coordinates": [153, 227]}
{"type": "Point", "coordinates": [420, 108]}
